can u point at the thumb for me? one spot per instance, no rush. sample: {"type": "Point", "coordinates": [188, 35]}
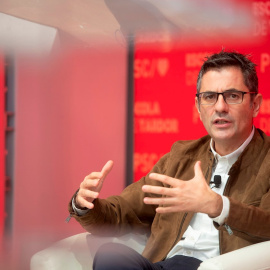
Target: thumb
{"type": "Point", "coordinates": [198, 170]}
{"type": "Point", "coordinates": [106, 169]}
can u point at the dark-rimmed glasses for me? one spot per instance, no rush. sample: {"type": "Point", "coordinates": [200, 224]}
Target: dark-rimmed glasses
{"type": "Point", "coordinates": [229, 96]}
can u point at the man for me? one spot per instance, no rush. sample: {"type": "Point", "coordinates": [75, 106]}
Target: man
{"type": "Point", "coordinates": [191, 215]}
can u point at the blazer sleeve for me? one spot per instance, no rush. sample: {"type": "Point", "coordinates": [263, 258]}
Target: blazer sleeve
{"type": "Point", "coordinates": [249, 216]}
{"type": "Point", "coordinates": [127, 212]}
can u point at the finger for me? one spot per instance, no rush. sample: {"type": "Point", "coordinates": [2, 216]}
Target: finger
{"type": "Point", "coordinates": [90, 183]}
{"type": "Point", "coordinates": [106, 169]}
{"type": "Point", "coordinates": [103, 173]}
{"type": "Point", "coordinates": [198, 170]}
{"type": "Point", "coordinates": [157, 190]}
{"type": "Point", "coordinates": [163, 178]}
{"type": "Point", "coordinates": [93, 176]}
{"type": "Point", "coordinates": [82, 202]}
{"type": "Point", "coordinates": [88, 194]}
{"type": "Point", "coordinates": [159, 201]}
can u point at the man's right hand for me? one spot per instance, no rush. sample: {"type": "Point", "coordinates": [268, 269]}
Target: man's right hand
{"type": "Point", "coordinates": [91, 186]}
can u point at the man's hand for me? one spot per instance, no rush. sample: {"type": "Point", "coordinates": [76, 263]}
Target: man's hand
{"type": "Point", "coordinates": [192, 196]}
{"type": "Point", "coordinates": [91, 186]}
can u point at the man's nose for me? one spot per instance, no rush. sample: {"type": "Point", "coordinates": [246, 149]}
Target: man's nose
{"type": "Point", "coordinates": [221, 105]}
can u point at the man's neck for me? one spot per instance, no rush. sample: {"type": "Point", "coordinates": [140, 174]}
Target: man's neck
{"type": "Point", "coordinates": [224, 150]}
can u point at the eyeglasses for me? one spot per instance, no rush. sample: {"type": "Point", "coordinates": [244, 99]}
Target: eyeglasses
{"type": "Point", "coordinates": [229, 96]}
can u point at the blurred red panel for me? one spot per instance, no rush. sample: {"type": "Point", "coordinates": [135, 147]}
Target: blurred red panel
{"type": "Point", "coordinates": [2, 146]}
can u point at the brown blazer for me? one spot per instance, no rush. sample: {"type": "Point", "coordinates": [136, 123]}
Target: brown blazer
{"type": "Point", "coordinates": [248, 189]}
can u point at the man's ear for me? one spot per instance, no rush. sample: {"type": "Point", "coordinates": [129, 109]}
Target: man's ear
{"type": "Point", "coordinates": [198, 106]}
{"type": "Point", "coordinates": [256, 104]}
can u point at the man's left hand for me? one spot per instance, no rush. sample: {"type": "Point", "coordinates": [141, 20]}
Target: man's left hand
{"type": "Point", "coordinates": [190, 196]}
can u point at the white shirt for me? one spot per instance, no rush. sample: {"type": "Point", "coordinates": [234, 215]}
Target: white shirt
{"type": "Point", "coordinates": [201, 239]}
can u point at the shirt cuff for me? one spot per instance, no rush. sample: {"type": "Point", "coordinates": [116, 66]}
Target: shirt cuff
{"type": "Point", "coordinates": [80, 212]}
{"type": "Point", "coordinates": [225, 211]}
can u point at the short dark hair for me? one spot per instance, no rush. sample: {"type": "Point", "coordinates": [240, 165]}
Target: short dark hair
{"type": "Point", "coordinates": [227, 59]}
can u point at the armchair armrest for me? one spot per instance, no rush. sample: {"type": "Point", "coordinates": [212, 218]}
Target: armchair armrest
{"type": "Point", "coordinates": [254, 257]}
{"type": "Point", "coordinates": [78, 251]}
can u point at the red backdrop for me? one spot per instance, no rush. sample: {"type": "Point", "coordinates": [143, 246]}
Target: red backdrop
{"type": "Point", "coordinates": [165, 85]}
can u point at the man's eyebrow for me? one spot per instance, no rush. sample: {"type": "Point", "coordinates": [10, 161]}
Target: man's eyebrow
{"type": "Point", "coordinates": [231, 89]}
{"type": "Point", "coordinates": [227, 90]}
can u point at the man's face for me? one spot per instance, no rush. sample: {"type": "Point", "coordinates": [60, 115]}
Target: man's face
{"type": "Point", "coordinates": [228, 124]}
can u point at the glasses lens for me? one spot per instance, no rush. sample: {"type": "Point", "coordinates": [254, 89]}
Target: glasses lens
{"type": "Point", "coordinates": [208, 98]}
{"type": "Point", "coordinates": [233, 97]}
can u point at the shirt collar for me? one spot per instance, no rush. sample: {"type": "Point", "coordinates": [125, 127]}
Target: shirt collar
{"type": "Point", "coordinates": [232, 157]}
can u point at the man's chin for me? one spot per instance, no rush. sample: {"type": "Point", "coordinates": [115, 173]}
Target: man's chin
{"type": "Point", "coordinates": [222, 136]}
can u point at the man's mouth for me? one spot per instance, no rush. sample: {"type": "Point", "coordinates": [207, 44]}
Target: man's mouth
{"type": "Point", "coordinates": [221, 121]}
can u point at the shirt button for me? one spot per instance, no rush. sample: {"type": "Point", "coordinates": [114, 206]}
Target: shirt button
{"type": "Point", "coordinates": [188, 252]}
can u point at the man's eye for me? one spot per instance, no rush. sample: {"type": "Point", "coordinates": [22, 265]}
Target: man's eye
{"type": "Point", "coordinates": [233, 96]}
{"type": "Point", "coordinates": [209, 96]}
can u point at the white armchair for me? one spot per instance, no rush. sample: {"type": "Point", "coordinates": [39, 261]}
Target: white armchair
{"type": "Point", "coordinates": [77, 252]}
